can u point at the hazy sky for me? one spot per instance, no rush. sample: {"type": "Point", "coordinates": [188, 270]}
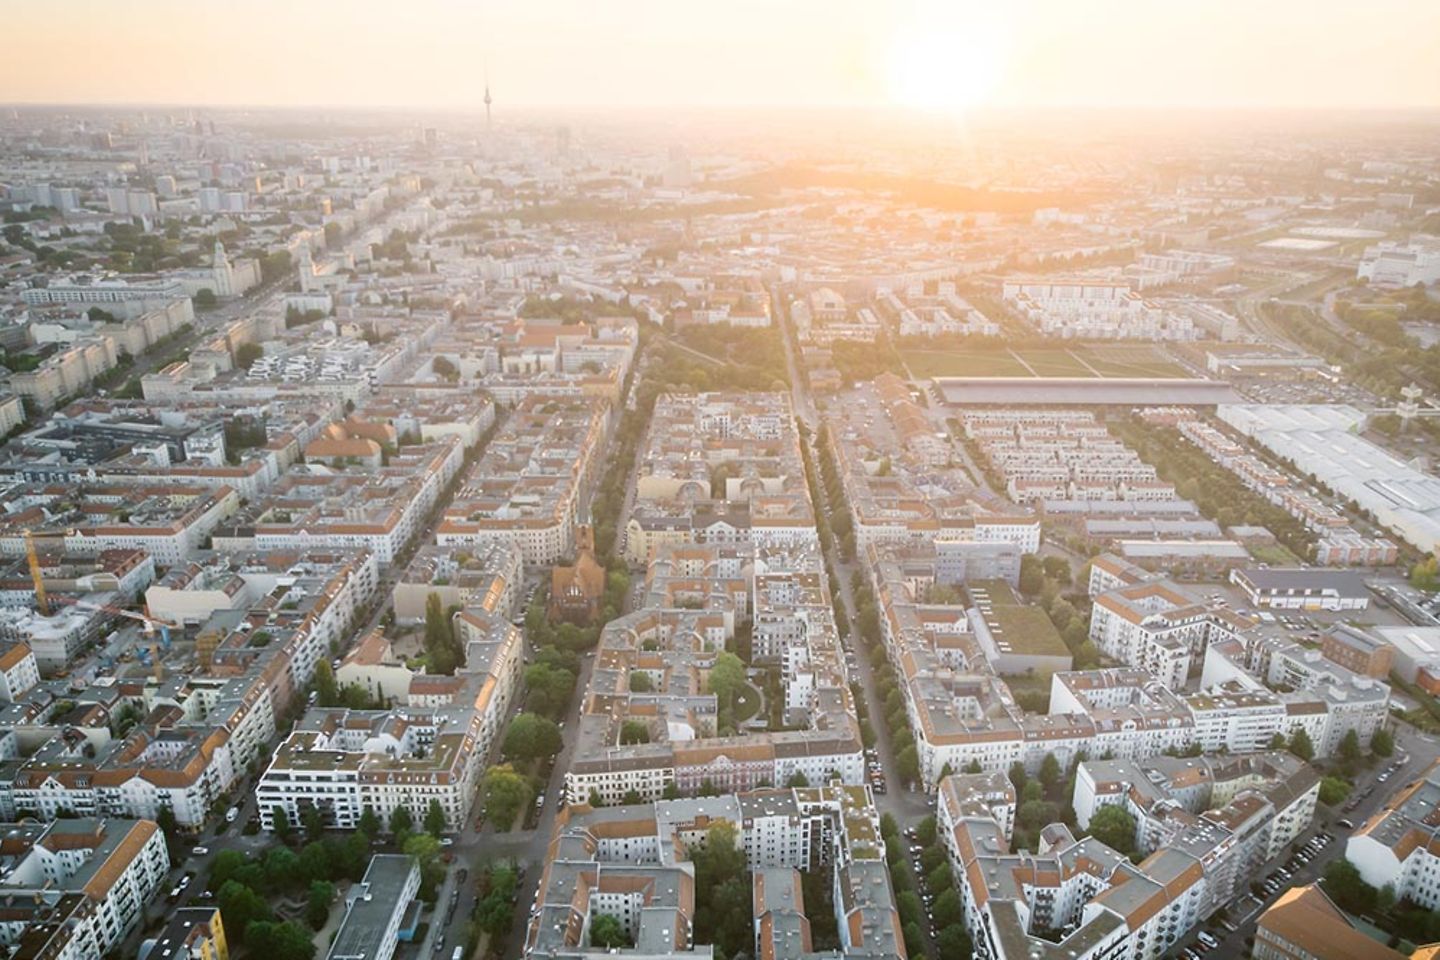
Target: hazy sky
{"type": "Point", "coordinates": [922, 53]}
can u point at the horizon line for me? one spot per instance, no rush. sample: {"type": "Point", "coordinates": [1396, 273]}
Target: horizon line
{"type": "Point", "coordinates": [866, 106]}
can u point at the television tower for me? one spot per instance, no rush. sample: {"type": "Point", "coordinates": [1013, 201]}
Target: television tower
{"type": "Point", "coordinates": [487, 100]}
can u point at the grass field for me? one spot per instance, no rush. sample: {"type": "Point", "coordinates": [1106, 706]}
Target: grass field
{"type": "Point", "coordinates": [1119, 360]}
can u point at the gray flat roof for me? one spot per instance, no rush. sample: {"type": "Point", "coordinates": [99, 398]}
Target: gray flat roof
{"type": "Point", "coordinates": [375, 901]}
{"type": "Point", "coordinates": [1083, 391]}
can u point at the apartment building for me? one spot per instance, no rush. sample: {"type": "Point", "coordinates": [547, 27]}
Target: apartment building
{"type": "Point", "coordinates": [19, 671]}
{"type": "Point", "coordinates": [169, 522]}
{"type": "Point", "coordinates": [75, 889]}
{"type": "Point", "coordinates": [674, 648]}
{"type": "Point", "coordinates": [902, 481]}
{"type": "Point", "coordinates": [486, 576]}
{"type": "Point", "coordinates": [379, 510]}
{"type": "Point", "coordinates": [1081, 899]}
{"type": "Point", "coordinates": [1093, 309]}
{"type": "Point", "coordinates": [534, 483]}
{"type": "Point", "coordinates": [1398, 846]}
{"type": "Point", "coordinates": [631, 862]}
{"type": "Point", "coordinates": [376, 908]}
{"type": "Point", "coordinates": [1303, 924]}
{"type": "Point", "coordinates": [1168, 795]}
{"type": "Point", "coordinates": [1157, 626]}
{"type": "Point", "coordinates": [432, 748]}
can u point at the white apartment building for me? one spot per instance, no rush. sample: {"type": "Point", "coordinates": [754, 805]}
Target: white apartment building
{"type": "Point", "coordinates": [19, 671]}
{"type": "Point", "coordinates": [1399, 847]}
{"type": "Point", "coordinates": [75, 889]}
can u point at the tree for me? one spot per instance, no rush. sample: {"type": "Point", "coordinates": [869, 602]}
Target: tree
{"type": "Point", "coordinates": [798, 779]}
{"type": "Point", "coordinates": [281, 824]}
{"type": "Point", "coordinates": [1032, 574]}
{"type": "Point", "coordinates": [278, 941]}
{"type": "Point", "coordinates": [426, 851]}
{"type": "Point", "coordinates": [327, 694]}
{"type": "Point", "coordinates": [530, 737]}
{"type": "Point", "coordinates": [641, 682]}
{"type": "Point", "coordinates": [1333, 791]}
{"type": "Point", "coordinates": [165, 820]}
{"type": "Point", "coordinates": [974, 767]}
{"type": "Point", "coordinates": [954, 941]}
{"type": "Point", "coordinates": [1382, 744]}
{"type": "Point", "coordinates": [634, 731]}
{"type": "Point", "coordinates": [549, 687]}
{"type": "Point", "coordinates": [440, 653]}
{"type": "Point", "coordinates": [1033, 791]}
{"type": "Point", "coordinates": [369, 822]}
{"type": "Point", "coordinates": [435, 819]}
{"type": "Point", "coordinates": [317, 909]}
{"type": "Point", "coordinates": [727, 677]}
{"type": "Point", "coordinates": [1301, 746]}
{"type": "Point", "coordinates": [907, 762]}
{"type": "Point", "coordinates": [505, 794]}
{"type": "Point", "coordinates": [282, 868]}
{"type": "Point", "coordinates": [947, 908]}
{"type": "Point", "coordinates": [239, 905]}
{"type": "Point", "coordinates": [1425, 575]}
{"type": "Point", "coordinates": [227, 864]}
{"type": "Point", "coordinates": [247, 353]}
{"type": "Point", "coordinates": [1114, 826]}
{"type": "Point", "coordinates": [1350, 751]}
{"type": "Point", "coordinates": [1051, 773]}
{"type": "Point", "coordinates": [400, 820]}
{"type": "Point", "coordinates": [316, 863]}
{"type": "Point", "coordinates": [495, 914]}
{"type": "Point", "coordinates": [205, 299]}
{"type": "Point", "coordinates": [925, 831]}
{"type": "Point", "coordinates": [1018, 776]}
{"type": "Point", "coordinates": [314, 822]}
{"type": "Point", "coordinates": [1037, 814]}
{"type": "Point", "coordinates": [606, 932]}
{"type": "Point", "coordinates": [1277, 741]}
{"type": "Point", "coordinates": [720, 872]}
{"type": "Point", "coordinates": [1347, 888]}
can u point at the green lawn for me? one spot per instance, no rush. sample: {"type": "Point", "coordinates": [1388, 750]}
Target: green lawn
{"type": "Point", "coordinates": [1055, 363]}
{"type": "Point", "coordinates": [1107, 360]}
{"type": "Point", "coordinates": [747, 704]}
{"type": "Point", "coordinates": [925, 364]}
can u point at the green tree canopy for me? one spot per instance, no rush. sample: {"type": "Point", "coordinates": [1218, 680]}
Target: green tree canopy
{"type": "Point", "coordinates": [1333, 791]}
{"type": "Point", "coordinates": [317, 907]}
{"type": "Point", "coordinates": [530, 737]}
{"type": "Point", "coordinates": [1382, 744]}
{"type": "Point", "coordinates": [607, 933]}
{"type": "Point", "coordinates": [1301, 746]}
{"type": "Point", "coordinates": [505, 794]}
{"type": "Point", "coordinates": [727, 677]}
{"type": "Point", "coordinates": [435, 819]}
{"type": "Point", "coordinates": [1114, 826]}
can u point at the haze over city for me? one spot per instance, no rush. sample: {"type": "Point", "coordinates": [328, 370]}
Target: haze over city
{"type": "Point", "coordinates": [924, 54]}
{"type": "Point", "coordinates": [775, 480]}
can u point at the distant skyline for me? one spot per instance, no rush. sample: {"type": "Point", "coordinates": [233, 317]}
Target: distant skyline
{"type": "Point", "coordinates": [942, 57]}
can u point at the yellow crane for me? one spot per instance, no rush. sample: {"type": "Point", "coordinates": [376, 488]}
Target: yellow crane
{"type": "Point", "coordinates": [42, 602]}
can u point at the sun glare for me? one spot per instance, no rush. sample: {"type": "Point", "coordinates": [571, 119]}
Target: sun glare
{"type": "Point", "coordinates": [949, 70]}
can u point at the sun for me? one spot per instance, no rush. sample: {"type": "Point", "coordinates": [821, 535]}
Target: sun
{"type": "Point", "coordinates": [947, 70]}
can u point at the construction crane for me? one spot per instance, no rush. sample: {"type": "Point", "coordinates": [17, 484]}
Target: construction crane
{"type": "Point", "coordinates": [150, 623]}
{"type": "Point", "coordinates": [42, 602]}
